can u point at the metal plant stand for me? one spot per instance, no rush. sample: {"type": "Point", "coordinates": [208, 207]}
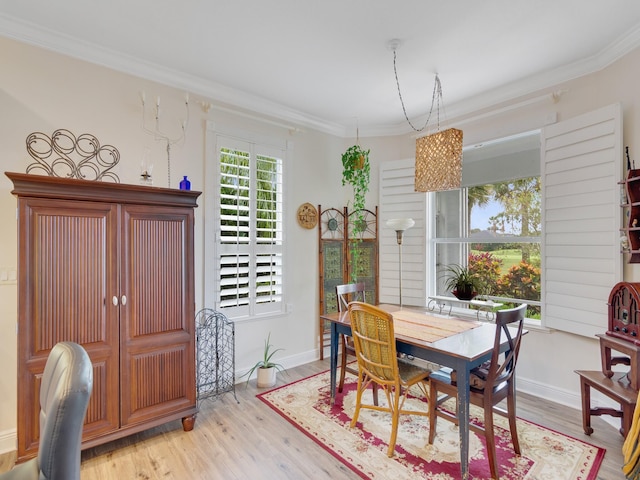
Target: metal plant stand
{"type": "Point", "coordinates": [215, 338]}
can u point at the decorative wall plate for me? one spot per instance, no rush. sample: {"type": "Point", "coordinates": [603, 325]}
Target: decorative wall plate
{"type": "Point", "coordinates": [307, 215]}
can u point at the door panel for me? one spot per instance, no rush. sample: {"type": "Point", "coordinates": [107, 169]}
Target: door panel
{"type": "Point", "coordinates": [157, 331]}
{"type": "Point", "coordinates": [67, 258]}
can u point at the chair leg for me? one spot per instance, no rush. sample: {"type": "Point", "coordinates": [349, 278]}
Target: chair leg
{"type": "Point", "coordinates": [433, 405]}
{"type": "Point", "coordinates": [343, 363]}
{"type": "Point", "coordinates": [354, 420]}
{"type": "Point", "coordinates": [395, 414]}
{"type": "Point", "coordinates": [489, 434]}
{"type": "Point", "coordinates": [511, 410]}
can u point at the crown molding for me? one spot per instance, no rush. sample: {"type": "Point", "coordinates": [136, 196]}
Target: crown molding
{"type": "Point", "coordinates": [29, 33]}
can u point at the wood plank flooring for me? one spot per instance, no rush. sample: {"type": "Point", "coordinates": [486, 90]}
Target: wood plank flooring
{"type": "Point", "coordinates": [248, 440]}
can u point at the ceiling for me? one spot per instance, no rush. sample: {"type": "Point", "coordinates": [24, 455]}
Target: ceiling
{"type": "Point", "coordinates": [327, 64]}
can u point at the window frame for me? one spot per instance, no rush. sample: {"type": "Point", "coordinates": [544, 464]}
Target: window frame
{"type": "Point", "coordinates": [464, 242]}
{"type": "Point", "coordinates": [258, 145]}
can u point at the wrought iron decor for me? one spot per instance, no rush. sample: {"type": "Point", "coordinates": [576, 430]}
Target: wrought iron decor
{"type": "Point", "coordinates": [215, 339]}
{"type": "Point", "coordinates": [65, 155]}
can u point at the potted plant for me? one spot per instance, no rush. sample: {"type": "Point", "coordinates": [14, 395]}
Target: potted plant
{"type": "Point", "coordinates": [266, 368]}
{"type": "Point", "coordinates": [461, 282]}
{"type": "Point", "coordinates": [356, 172]}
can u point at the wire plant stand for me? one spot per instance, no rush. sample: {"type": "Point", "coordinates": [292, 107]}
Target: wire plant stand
{"type": "Point", "coordinates": [215, 339]}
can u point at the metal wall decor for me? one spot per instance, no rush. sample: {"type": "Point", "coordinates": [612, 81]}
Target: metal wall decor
{"type": "Point", "coordinates": [65, 155]}
{"type": "Point", "coordinates": [158, 134]}
{"type": "Point", "coordinates": [215, 354]}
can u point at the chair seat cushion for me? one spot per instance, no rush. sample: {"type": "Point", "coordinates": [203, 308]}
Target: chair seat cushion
{"type": "Point", "coordinates": [409, 371]}
{"type": "Point", "coordinates": [477, 377]}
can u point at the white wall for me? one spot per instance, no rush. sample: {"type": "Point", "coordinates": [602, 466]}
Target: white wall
{"type": "Point", "coordinates": [548, 359]}
{"type": "Point", "coordinates": [43, 91]}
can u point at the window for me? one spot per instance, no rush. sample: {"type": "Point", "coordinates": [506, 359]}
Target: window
{"type": "Point", "coordinates": [494, 230]}
{"type": "Point", "coordinates": [249, 209]}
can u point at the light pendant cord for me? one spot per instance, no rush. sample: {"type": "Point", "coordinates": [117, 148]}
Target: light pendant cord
{"type": "Point", "coordinates": [436, 96]}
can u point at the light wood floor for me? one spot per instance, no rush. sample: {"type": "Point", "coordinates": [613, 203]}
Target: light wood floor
{"type": "Point", "coordinates": [249, 440]}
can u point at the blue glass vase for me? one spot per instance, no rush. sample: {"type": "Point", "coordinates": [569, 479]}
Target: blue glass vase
{"type": "Point", "coordinates": [185, 184]}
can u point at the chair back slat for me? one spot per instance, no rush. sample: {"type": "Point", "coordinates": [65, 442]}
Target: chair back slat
{"type": "Point", "coordinates": [350, 292]}
{"type": "Point", "coordinates": [501, 370]}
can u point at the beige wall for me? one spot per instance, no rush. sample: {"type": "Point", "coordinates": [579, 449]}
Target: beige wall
{"type": "Point", "coordinates": [43, 91]}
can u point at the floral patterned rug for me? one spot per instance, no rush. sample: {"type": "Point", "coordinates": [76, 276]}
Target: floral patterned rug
{"type": "Point", "coordinates": [546, 455]}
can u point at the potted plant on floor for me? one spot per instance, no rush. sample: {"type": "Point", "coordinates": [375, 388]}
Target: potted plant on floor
{"type": "Point", "coordinates": [267, 369]}
{"type": "Point", "coordinates": [461, 282]}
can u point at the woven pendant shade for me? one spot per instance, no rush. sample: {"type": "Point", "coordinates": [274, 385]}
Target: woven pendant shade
{"type": "Point", "coordinates": [439, 161]}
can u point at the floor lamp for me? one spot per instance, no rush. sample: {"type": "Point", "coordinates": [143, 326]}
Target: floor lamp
{"type": "Point", "coordinates": [400, 225]}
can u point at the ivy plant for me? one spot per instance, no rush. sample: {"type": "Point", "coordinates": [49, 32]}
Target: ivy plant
{"type": "Point", "coordinates": [356, 172]}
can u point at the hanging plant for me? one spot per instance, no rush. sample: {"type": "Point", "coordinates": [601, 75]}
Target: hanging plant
{"type": "Point", "coordinates": [355, 172]}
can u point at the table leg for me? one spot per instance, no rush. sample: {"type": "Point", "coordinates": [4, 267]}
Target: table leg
{"type": "Point", "coordinates": [333, 360]}
{"type": "Point", "coordinates": [463, 418]}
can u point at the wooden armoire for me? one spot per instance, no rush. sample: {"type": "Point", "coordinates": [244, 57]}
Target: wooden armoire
{"type": "Point", "coordinates": [109, 266]}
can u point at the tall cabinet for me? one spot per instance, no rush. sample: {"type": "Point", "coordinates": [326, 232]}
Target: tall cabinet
{"type": "Point", "coordinates": [109, 266]}
{"type": "Point", "coordinates": [632, 205]}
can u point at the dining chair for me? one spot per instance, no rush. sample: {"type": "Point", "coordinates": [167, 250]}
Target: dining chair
{"type": "Point", "coordinates": [490, 383]}
{"type": "Point", "coordinates": [378, 363]}
{"type": "Point", "coordinates": [345, 294]}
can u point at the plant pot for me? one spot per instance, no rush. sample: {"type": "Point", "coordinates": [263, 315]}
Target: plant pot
{"type": "Point", "coordinates": [266, 377]}
{"type": "Point", "coordinates": [464, 294]}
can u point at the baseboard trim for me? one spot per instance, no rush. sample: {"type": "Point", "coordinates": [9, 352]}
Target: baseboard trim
{"type": "Point", "coordinates": [8, 440]}
{"type": "Point", "coordinates": [568, 398]}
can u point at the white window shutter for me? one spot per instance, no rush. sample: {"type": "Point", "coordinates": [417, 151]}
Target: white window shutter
{"type": "Point", "coordinates": [398, 199]}
{"type": "Point", "coordinates": [581, 168]}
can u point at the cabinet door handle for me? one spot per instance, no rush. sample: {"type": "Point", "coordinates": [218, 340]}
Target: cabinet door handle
{"type": "Point", "coordinates": [115, 301]}
{"type": "Point", "coordinates": [124, 300]}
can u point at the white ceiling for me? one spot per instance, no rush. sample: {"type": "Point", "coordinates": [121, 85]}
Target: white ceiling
{"type": "Point", "coordinates": [326, 63]}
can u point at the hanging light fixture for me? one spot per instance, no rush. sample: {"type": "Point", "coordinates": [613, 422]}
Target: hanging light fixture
{"type": "Point", "coordinates": [438, 155]}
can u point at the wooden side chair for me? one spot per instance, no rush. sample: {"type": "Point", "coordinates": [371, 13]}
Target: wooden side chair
{"type": "Point", "coordinates": [490, 383]}
{"type": "Point", "coordinates": [345, 294]}
{"type": "Point", "coordinates": [378, 363]}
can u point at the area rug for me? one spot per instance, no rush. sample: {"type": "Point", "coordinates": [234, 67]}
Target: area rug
{"type": "Point", "coordinates": [546, 455]}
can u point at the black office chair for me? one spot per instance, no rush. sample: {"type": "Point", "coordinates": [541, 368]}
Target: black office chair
{"type": "Point", "coordinates": [66, 386]}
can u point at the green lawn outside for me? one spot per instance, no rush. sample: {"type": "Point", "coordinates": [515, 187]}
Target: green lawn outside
{"type": "Point", "coordinates": [509, 257]}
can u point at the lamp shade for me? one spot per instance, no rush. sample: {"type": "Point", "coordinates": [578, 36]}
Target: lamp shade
{"type": "Point", "coordinates": [400, 224]}
{"type": "Point", "coordinates": [439, 161]}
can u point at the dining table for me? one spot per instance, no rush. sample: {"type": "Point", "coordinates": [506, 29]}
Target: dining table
{"type": "Point", "coordinates": [448, 341]}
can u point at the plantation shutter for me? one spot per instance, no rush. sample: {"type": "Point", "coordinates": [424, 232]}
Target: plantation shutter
{"type": "Point", "coordinates": [249, 256]}
{"type": "Point", "coordinates": [398, 199]}
{"type": "Point", "coordinates": [581, 168]}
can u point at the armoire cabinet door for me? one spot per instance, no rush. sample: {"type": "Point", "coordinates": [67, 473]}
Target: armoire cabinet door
{"type": "Point", "coordinates": [109, 266]}
{"type": "Point", "coordinates": [156, 329]}
{"type": "Point", "coordinates": [67, 273]}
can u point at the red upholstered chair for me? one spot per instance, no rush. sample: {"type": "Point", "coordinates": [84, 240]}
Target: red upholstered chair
{"type": "Point", "coordinates": [490, 383]}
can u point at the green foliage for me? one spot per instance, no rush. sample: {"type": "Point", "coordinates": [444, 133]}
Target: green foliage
{"type": "Point", "coordinates": [266, 359]}
{"type": "Point", "coordinates": [356, 172]}
{"type": "Point", "coordinates": [522, 281]}
{"type": "Point", "coordinates": [460, 278]}
{"type": "Point", "coordinates": [487, 268]}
